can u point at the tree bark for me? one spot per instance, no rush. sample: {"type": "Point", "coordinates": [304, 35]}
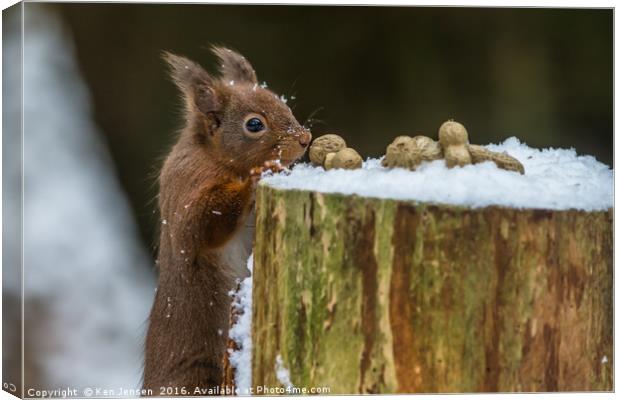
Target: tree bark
{"type": "Point", "coordinates": [368, 295]}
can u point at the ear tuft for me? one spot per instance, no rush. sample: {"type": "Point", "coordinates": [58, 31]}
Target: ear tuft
{"type": "Point", "coordinates": [233, 66]}
{"type": "Point", "coordinates": [193, 81]}
{"type": "Point", "coordinates": [184, 72]}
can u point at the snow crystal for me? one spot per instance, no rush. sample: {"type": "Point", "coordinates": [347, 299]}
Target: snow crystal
{"type": "Point", "coordinates": [282, 373]}
{"type": "Point", "coordinates": [554, 179]}
{"type": "Point", "coordinates": [241, 334]}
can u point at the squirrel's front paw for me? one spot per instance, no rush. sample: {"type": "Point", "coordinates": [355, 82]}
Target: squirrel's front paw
{"type": "Point", "coordinates": [273, 166]}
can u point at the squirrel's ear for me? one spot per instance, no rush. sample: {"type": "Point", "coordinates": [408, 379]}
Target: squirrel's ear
{"type": "Point", "coordinates": [194, 82]}
{"type": "Point", "coordinates": [233, 66]}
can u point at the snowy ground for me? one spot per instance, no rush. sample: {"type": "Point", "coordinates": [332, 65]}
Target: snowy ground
{"type": "Point", "coordinates": [554, 179]}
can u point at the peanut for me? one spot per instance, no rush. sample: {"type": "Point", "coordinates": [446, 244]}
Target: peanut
{"type": "Point", "coordinates": [502, 160]}
{"type": "Point", "coordinates": [403, 152]}
{"type": "Point", "coordinates": [430, 149]}
{"type": "Point", "coordinates": [454, 140]}
{"type": "Point", "coordinates": [346, 158]}
{"type": "Point", "coordinates": [324, 145]}
{"type": "Point", "coordinates": [328, 161]}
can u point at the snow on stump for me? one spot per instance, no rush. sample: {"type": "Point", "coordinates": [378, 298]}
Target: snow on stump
{"type": "Point", "coordinates": [472, 279]}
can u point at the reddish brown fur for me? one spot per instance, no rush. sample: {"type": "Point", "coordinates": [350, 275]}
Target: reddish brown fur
{"type": "Point", "coordinates": [206, 196]}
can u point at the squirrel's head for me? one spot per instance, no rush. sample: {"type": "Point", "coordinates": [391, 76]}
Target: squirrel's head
{"type": "Point", "coordinates": [235, 113]}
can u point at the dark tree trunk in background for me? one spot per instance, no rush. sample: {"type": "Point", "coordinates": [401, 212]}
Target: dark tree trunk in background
{"type": "Point", "coordinates": [381, 296]}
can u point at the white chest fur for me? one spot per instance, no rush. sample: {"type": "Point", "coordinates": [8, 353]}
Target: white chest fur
{"type": "Point", "coordinates": [236, 252]}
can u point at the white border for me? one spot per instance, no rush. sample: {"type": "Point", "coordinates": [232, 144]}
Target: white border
{"type": "Point", "coordinates": [458, 3]}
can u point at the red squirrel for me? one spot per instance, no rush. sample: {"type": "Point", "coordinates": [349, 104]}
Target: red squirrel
{"type": "Point", "coordinates": [234, 130]}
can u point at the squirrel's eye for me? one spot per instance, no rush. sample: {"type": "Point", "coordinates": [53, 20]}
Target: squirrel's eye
{"type": "Point", "coordinates": [254, 125]}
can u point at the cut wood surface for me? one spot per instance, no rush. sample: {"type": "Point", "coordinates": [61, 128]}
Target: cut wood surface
{"type": "Point", "coordinates": [367, 295]}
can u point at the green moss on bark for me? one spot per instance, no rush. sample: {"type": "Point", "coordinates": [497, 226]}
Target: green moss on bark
{"type": "Point", "coordinates": [380, 296]}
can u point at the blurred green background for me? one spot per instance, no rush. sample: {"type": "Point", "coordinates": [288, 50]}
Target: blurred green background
{"type": "Point", "coordinates": [543, 75]}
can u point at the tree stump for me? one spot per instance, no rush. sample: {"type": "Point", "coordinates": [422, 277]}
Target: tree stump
{"type": "Point", "coordinates": [366, 295]}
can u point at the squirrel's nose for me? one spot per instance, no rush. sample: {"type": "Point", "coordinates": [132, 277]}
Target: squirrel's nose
{"type": "Point", "coordinates": [305, 138]}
